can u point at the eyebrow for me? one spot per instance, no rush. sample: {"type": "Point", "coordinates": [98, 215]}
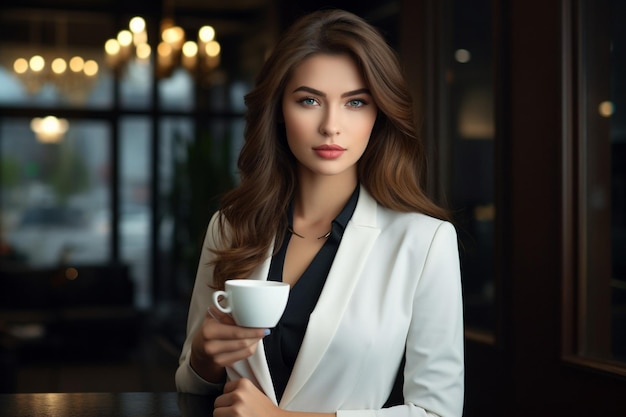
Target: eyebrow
{"type": "Point", "coordinates": [320, 93]}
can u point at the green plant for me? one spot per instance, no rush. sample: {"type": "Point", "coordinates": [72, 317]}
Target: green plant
{"type": "Point", "coordinates": [200, 179]}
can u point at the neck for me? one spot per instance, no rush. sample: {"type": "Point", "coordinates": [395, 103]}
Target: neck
{"type": "Point", "coordinates": [319, 200]}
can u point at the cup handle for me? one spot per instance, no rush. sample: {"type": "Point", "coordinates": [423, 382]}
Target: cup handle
{"type": "Point", "coordinates": [216, 296]}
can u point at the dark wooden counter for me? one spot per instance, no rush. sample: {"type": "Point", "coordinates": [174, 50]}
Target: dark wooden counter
{"type": "Point", "coordinates": [132, 404]}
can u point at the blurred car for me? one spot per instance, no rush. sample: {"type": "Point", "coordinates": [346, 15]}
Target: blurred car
{"type": "Point", "coordinates": [53, 235]}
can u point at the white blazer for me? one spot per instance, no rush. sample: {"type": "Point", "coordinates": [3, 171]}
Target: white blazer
{"type": "Point", "coordinates": [394, 289]}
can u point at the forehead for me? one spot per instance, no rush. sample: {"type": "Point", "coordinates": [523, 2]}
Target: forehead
{"type": "Point", "coordinates": [327, 72]}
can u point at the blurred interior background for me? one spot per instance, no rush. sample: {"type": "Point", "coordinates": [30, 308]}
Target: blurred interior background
{"type": "Point", "coordinates": [120, 125]}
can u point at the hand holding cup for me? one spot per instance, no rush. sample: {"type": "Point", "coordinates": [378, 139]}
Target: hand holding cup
{"type": "Point", "coordinates": [253, 303]}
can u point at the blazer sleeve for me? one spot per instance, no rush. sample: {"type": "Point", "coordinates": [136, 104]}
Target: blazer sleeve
{"type": "Point", "coordinates": [434, 369]}
{"type": "Point", "coordinates": [187, 380]}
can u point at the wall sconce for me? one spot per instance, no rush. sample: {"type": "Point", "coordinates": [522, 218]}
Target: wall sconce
{"type": "Point", "coordinates": [49, 129]}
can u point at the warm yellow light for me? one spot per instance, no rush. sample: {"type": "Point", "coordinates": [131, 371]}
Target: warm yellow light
{"type": "Point", "coordinates": [143, 51]}
{"type": "Point", "coordinates": [164, 49]}
{"type": "Point", "coordinates": [49, 129]}
{"type": "Point", "coordinates": [71, 273]}
{"type": "Point", "coordinates": [112, 47]}
{"type": "Point", "coordinates": [173, 35]}
{"type": "Point", "coordinates": [20, 66]}
{"type": "Point", "coordinates": [206, 34]}
{"type": "Point", "coordinates": [91, 68]}
{"type": "Point", "coordinates": [213, 48]}
{"type": "Point", "coordinates": [190, 49]}
{"type": "Point", "coordinates": [140, 38]}
{"type": "Point", "coordinates": [37, 63]}
{"type": "Point", "coordinates": [137, 24]}
{"type": "Point", "coordinates": [58, 66]}
{"type": "Point", "coordinates": [125, 37]}
{"type": "Point", "coordinates": [606, 109]}
{"type": "Point", "coordinates": [77, 64]}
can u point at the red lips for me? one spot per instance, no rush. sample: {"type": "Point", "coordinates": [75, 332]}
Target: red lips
{"type": "Point", "coordinates": [331, 151]}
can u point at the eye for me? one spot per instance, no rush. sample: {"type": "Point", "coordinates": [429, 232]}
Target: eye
{"type": "Point", "coordinates": [308, 101]}
{"type": "Point", "coordinates": [356, 102]}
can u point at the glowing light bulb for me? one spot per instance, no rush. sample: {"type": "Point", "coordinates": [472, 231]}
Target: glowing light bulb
{"type": "Point", "coordinates": [173, 35]}
{"type": "Point", "coordinates": [190, 49]}
{"type": "Point", "coordinates": [125, 37]}
{"type": "Point", "coordinates": [77, 64]}
{"type": "Point", "coordinates": [206, 34]}
{"type": "Point", "coordinates": [20, 66]}
{"type": "Point", "coordinates": [37, 63]}
{"type": "Point", "coordinates": [137, 24]}
{"type": "Point", "coordinates": [112, 47]}
{"type": "Point", "coordinates": [58, 66]}
{"type": "Point", "coordinates": [606, 109]}
{"type": "Point", "coordinates": [143, 51]}
{"type": "Point", "coordinates": [213, 48]}
{"type": "Point", "coordinates": [90, 68]}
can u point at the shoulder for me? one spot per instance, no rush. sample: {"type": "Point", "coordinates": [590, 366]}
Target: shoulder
{"type": "Point", "coordinates": [419, 235]}
{"type": "Point", "coordinates": [370, 213]}
{"type": "Point", "coordinates": [413, 221]}
{"type": "Point", "coordinates": [217, 231]}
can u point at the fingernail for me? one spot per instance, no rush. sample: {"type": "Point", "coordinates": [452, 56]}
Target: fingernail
{"type": "Point", "coordinates": [266, 332]}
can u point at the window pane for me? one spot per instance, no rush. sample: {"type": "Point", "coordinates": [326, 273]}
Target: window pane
{"type": "Point", "coordinates": [176, 91]}
{"type": "Point", "coordinates": [603, 182]}
{"type": "Point", "coordinates": [136, 84]}
{"type": "Point", "coordinates": [135, 208]}
{"type": "Point", "coordinates": [618, 179]}
{"type": "Point", "coordinates": [471, 195]}
{"type": "Point", "coordinates": [195, 169]}
{"type": "Point", "coordinates": [176, 181]}
{"type": "Point", "coordinates": [55, 196]}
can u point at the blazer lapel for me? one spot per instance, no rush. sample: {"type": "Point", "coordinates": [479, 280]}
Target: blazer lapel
{"type": "Point", "coordinates": [255, 367]}
{"type": "Point", "coordinates": [358, 239]}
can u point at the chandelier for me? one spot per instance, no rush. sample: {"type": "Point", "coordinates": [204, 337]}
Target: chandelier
{"type": "Point", "coordinates": [198, 56]}
{"type": "Point", "coordinates": [71, 76]}
{"type": "Point", "coordinates": [69, 70]}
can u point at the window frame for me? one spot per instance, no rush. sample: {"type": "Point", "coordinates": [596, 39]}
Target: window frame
{"type": "Point", "coordinates": [585, 236]}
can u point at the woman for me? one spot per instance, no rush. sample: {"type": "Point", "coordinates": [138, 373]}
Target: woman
{"type": "Point", "coordinates": [331, 202]}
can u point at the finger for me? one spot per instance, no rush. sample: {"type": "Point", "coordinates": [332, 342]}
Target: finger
{"type": "Point", "coordinates": [223, 400]}
{"type": "Point", "coordinates": [240, 385]}
{"type": "Point", "coordinates": [233, 384]}
{"type": "Point", "coordinates": [214, 313]}
{"type": "Point", "coordinates": [218, 330]}
{"type": "Point", "coordinates": [226, 353]}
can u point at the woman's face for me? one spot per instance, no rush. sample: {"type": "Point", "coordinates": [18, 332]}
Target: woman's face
{"type": "Point", "coordinates": [329, 114]}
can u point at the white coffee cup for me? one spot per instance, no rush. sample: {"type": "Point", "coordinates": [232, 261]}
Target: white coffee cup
{"type": "Point", "coordinates": [253, 303]}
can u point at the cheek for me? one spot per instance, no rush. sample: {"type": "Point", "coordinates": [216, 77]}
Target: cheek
{"type": "Point", "coordinates": [367, 126]}
{"type": "Point", "coordinates": [364, 136]}
{"type": "Point", "coordinates": [297, 128]}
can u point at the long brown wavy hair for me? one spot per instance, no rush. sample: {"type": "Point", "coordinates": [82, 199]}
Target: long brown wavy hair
{"type": "Point", "coordinates": [392, 168]}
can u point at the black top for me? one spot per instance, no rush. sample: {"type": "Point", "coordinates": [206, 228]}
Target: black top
{"type": "Point", "coordinates": [283, 344]}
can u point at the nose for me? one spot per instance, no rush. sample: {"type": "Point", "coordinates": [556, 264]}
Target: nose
{"type": "Point", "coordinates": [329, 126]}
